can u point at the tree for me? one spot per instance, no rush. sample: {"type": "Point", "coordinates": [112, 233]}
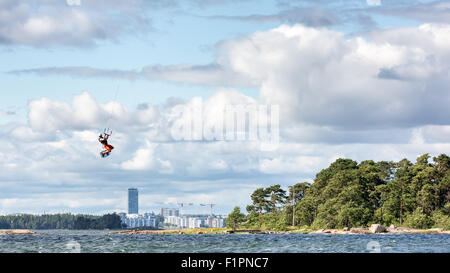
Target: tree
{"type": "Point", "coordinates": [348, 194]}
{"type": "Point", "coordinates": [427, 198]}
{"type": "Point", "coordinates": [61, 221]}
{"type": "Point", "coordinates": [277, 197]}
{"type": "Point", "coordinates": [306, 211]}
{"type": "Point", "coordinates": [418, 219]}
{"type": "Point", "coordinates": [259, 198]}
{"type": "Point", "coordinates": [235, 218]}
{"type": "Point", "coordinates": [296, 194]}
{"type": "Point", "coordinates": [382, 193]}
{"type": "Point", "coordinates": [402, 200]}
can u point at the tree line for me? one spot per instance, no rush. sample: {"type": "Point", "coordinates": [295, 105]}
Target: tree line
{"type": "Point", "coordinates": [348, 194]}
{"type": "Point", "coordinates": [60, 221]}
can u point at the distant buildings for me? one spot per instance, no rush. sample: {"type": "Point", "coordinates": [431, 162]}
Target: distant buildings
{"type": "Point", "coordinates": [136, 220]}
{"type": "Point", "coordinates": [195, 221]}
{"type": "Point", "coordinates": [171, 217]}
{"type": "Point", "coordinates": [165, 212]}
{"type": "Point", "coordinates": [133, 200]}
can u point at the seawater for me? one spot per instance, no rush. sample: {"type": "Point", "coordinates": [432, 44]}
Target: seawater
{"type": "Point", "coordinates": [60, 241]}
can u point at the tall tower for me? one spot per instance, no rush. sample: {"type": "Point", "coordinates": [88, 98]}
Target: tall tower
{"type": "Point", "coordinates": [133, 201]}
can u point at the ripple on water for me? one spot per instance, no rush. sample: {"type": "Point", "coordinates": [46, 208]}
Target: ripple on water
{"type": "Point", "coordinates": [101, 241]}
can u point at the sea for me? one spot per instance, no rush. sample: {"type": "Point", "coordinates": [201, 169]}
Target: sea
{"type": "Point", "coordinates": [94, 241]}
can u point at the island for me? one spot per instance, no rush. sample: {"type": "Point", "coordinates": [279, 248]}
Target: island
{"type": "Point", "coordinates": [350, 198]}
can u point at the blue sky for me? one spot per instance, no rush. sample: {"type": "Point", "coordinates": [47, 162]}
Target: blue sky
{"type": "Point", "coordinates": [352, 78]}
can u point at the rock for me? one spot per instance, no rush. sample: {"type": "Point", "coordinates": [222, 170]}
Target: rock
{"type": "Point", "coordinates": [438, 230]}
{"type": "Point", "coordinates": [359, 230]}
{"type": "Point", "coordinates": [346, 229]}
{"type": "Point", "coordinates": [377, 228]}
{"type": "Point", "coordinates": [16, 232]}
{"type": "Point", "coordinates": [199, 232]}
{"type": "Point", "coordinates": [324, 231]}
{"type": "Point", "coordinates": [392, 228]}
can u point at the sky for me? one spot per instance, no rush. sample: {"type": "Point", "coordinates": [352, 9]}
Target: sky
{"type": "Point", "coordinates": [359, 79]}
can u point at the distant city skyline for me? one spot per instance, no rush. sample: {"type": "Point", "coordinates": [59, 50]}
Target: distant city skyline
{"type": "Point", "coordinates": [172, 217]}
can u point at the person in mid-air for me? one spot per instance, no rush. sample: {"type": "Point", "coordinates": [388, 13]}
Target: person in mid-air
{"type": "Point", "coordinates": [103, 139]}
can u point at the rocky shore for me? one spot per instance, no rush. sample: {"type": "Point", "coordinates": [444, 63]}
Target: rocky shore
{"type": "Point", "coordinates": [373, 229]}
{"type": "Point", "coordinates": [16, 231]}
{"type": "Point", "coordinates": [377, 228]}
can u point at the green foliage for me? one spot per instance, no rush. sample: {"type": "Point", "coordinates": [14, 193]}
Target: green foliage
{"type": "Point", "coordinates": [252, 221]}
{"type": "Point", "coordinates": [441, 220]}
{"type": "Point", "coordinates": [267, 199]}
{"type": "Point", "coordinates": [348, 194]}
{"type": "Point", "coordinates": [298, 192]}
{"type": "Point", "coordinates": [306, 211]}
{"type": "Point", "coordinates": [235, 218]}
{"type": "Point", "coordinates": [446, 209]}
{"type": "Point", "coordinates": [418, 219]}
{"type": "Point", "coordinates": [60, 221]}
{"type": "Point", "coordinates": [274, 221]}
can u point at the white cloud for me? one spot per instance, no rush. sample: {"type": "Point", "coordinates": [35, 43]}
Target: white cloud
{"type": "Point", "coordinates": [417, 137]}
{"type": "Point", "coordinates": [373, 2]}
{"type": "Point", "coordinates": [321, 77]}
{"type": "Point", "coordinates": [46, 23]}
{"type": "Point", "coordinates": [290, 164]}
{"type": "Point", "coordinates": [143, 159]}
{"type": "Point", "coordinates": [84, 112]}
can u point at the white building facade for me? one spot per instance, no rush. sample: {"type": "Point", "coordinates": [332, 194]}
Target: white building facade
{"type": "Point", "coordinates": [136, 220]}
{"type": "Point", "coordinates": [195, 221]}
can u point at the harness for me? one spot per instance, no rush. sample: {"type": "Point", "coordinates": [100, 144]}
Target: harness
{"type": "Point", "coordinates": [103, 141]}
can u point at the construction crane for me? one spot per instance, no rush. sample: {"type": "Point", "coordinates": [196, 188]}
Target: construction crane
{"type": "Point", "coordinates": [182, 204]}
{"type": "Point", "coordinates": [209, 205]}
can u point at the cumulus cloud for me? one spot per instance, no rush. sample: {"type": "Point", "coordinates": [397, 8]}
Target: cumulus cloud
{"type": "Point", "coordinates": [321, 77]}
{"type": "Point", "coordinates": [48, 23]}
{"type": "Point", "coordinates": [84, 113]}
{"type": "Point", "coordinates": [61, 158]}
{"type": "Point", "coordinates": [373, 2]}
{"type": "Point", "coordinates": [68, 170]}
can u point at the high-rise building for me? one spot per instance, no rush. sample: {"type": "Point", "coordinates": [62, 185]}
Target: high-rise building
{"type": "Point", "coordinates": [133, 201]}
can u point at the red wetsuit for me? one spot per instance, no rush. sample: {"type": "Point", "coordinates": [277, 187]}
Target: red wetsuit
{"type": "Point", "coordinates": [104, 141]}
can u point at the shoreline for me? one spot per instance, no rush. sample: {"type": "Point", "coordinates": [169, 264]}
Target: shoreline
{"type": "Point", "coordinates": [377, 229]}
{"type": "Point", "coordinates": [199, 231]}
